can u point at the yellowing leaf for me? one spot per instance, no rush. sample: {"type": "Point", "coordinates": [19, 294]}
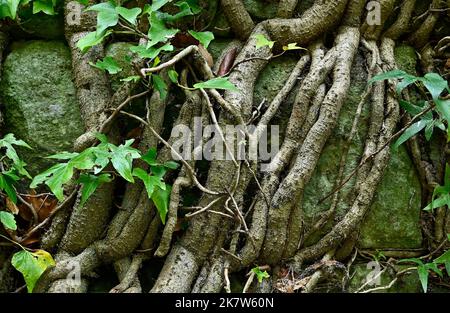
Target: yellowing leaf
{"type": "Point", "coordinates": [293, 46]}
{"type": "Point", "coordinates": [32, 265]}
{"type": "Point", "coordinates": [262, 41]}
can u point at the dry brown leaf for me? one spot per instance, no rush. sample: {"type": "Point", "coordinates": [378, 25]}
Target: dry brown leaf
{"type": "Point", "coordinates": [206, 55]}
{"type": "Point", "coordinates": [12, 207]}
{"type": "Point", "coordinates": [183, 40]}
{"type": "Point", "coordinates": [227, 62]}
{"type": "Point", "coordinates": [43, 206]}
{"type": "Point", "coordinates": [47, 207]}
{"type": "Point", "coordinates": [179, 224]}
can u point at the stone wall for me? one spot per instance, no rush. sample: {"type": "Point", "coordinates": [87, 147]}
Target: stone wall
{"type": "Point", "coordinates": [39, 101]}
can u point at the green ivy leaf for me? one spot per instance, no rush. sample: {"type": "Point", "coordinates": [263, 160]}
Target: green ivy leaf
{"type": "Point", "coordinates": [158, 4]}
{"type": "Point", "coordinates": [122, 159]}
{"type": "Point", "coordinates": [150, 53]}
{"type": "Point", "coordinates": [195, 7]}
{"type": "Point", "coordinates": [184, 10]}
{"type": "Point", "coordinates": [90, 184]}
{"type": "Point", "coordinates": [173, 76]}
{"type": "Point", "coordinates": [443, 107]}
{"type": "Point", "coordinates": [130, 15]}
{"type": "Point", "coordinates": [260, 275]}
{"type": "Point", "coordinates": [262, 41]}
{"type": "Point", "coordinates": [55, 177]}
{"type": "Point", "coordinates": [150, 182]}
{"type": "Point", "coordinates": [63, 155]}
{"type": "Point", "coordinates": [161, 198]}
{"type": "Point", "coordinates": [60, 177]}
{"type": "Point", "coordinates": [437, 203]}
{"type": "Point", "coordinates": [160, 85]}
{"type": "Point", "coordinates": [389, 75]}
{"type": "Point", "coordinates": [158, 170]}
{"type": "Point", "coordinates": [422, 270]}
{"type": "Point", "coordinates": [435, 84]}
{"type": "Point", "coordinates": [102, 156]}
{"type": "Point", "coordinates": [8, 8]}
{"type": "Point", "coordinates": [444, 259]}
{"type": "Point", "coordinates": [131, 78]}
{"type": "Point", "coordinates": [217, 83]}
{"type": "Point", "coordinates": [91, 39]}
{"type": "Point", "coordinates": [32, 265]}
{"type": "Point", "coordinates": [441, 194]}
{"type": "Point", "coordinates": [429, 130]}
{"type": "Point", "coordinates": [8, 142]}
{"type": "Point", "coordinates": [410, 132]}
{"type": "Point", "coordinates": [107, 64]}
{"type": "Point", "coordinates": [46, 6]}
{"type": "Point", "coordinates": [204, 38]}
{"type": "Point", "coordinates": [106, 17]}
{"type": "Point", "coordinates": [7, 180]}
{"type": "Point", "coordinates": [8, 220]}
{"type": "Point", "coordinates": [405, 82]}
{"type": "Point", "coordinates": [158, 31]}
{"type": "Point", "coordinates": [414, 109]}
{"type": "Point", "coordinates": [150, 157]}
{"type": "Point", "coordinates": [84, 160]}
{"type": "Point", "coordinates": [105, 20]}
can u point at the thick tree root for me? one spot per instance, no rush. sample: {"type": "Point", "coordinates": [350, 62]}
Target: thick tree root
{"type": "Point", "coordinates": [367, 187]}
{"type": "Point", "coordinates": [4, 40]}
{"type": "Point", "coordinates": [227, 233]}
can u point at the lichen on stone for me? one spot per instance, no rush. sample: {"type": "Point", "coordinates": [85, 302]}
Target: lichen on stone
{"type": "Point", "coordinates": [39, 99]}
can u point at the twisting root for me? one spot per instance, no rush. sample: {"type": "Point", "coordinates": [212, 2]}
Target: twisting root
{"type": "Point", "coordinates": [309, 86]}
{"type": "Point", "coordinates": [367, 187]}
{"type": "Point", "coordinates": [127, 270]}
{"type": "Point", "coordinates": [208, 251]}
{"type": "Point", "coordinates": [402, 23]}
{"type": "Point", "coordinates": [420, 37]}
{"type": "Point", "coordinates": [373, 32]}
{"type": "Point", "coordinates": [205, 228]}
{"type": "Point", "coordinates": [286, 8]}
{"type": "Point", "coordinates": [239, 19]}
{"type": "Point", "coordinates": [192, 107]}
{"type": "Point", "coordinates": [291, 188]}
{"type": "Point", "coordinates": [4, 40]}
{"type": "Point", "coordinates": [317, 276]}
{"type": "Point", "coordinates": [343, 161]}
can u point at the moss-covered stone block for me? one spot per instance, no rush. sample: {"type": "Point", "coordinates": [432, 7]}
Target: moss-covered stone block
{"type": "Point", "coordinates": [406, 58]}
{"type": "Point", "coordinates": [39, 101]}
{"type": "Point", "coordinates": [393, 219]}
{"type": "Point", "coordinates": [261, 9]}
{"type": "Point", "coordinates": [362, 273]}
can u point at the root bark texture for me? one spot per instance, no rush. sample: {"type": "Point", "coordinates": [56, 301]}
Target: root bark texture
{"type": "Point", "coordinates": [227, 231]}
